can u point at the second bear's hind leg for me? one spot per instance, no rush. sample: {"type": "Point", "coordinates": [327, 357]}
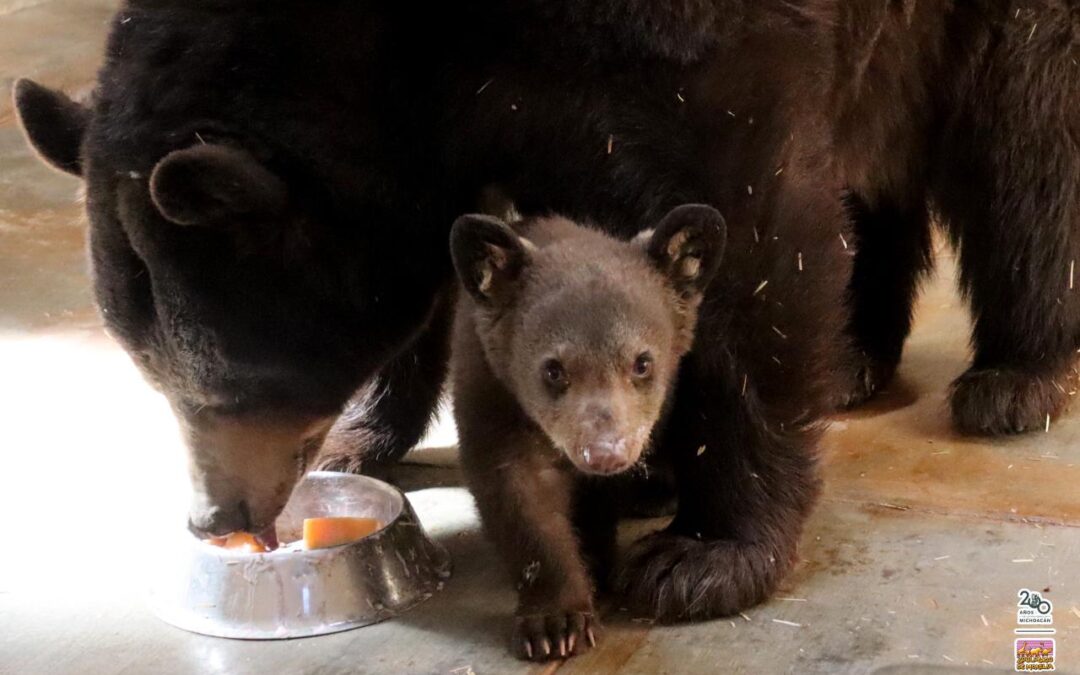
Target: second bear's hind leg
{"type": "Point", "coordinates": [1010, 193]}
{"type": "Point", "coordinates": [892, 254]}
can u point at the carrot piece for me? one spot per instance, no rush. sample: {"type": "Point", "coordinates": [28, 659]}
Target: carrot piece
{"type": "Point", "coordinates": [328, 532]}
{"type": "Point", "coordinates": [240, 541]}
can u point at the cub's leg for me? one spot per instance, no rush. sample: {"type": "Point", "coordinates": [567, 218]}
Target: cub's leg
{"type": "Point", "coordinates": [1009, 189]}
{"type": "Point", "coordinates": [526, 506]}
{"type": "Point", "coordinates": [526, 497]}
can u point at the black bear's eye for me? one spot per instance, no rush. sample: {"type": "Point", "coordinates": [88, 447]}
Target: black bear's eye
{"type": "Point", "coordinates": [643, 366]}
{"type": "Point", "coordinates": [555, 373]}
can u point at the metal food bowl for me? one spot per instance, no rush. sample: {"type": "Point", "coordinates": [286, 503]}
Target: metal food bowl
{"type": "Point", "coordinates": [293, 592]}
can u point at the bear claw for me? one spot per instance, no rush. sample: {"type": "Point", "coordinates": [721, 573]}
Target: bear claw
{"type": "Point", "coordinates": [541, 637]}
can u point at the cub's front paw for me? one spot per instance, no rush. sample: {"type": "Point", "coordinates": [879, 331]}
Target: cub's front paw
{"type": "Point", "coordinates": [553, 635]}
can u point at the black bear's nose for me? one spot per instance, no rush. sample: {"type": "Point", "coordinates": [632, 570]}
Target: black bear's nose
{"type": "Point", "coordinates": [218, 521]}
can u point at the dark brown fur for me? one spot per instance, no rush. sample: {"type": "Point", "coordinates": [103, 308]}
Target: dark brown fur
{"type": "Point", "coordinates": [963, 112]}
{"type": "Point", "coordinates": [968, 111]}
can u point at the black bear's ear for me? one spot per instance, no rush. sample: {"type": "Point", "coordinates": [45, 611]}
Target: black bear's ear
{"type": "Point", "coordinates": [210, 184]}
{"type": "Point", "coordinates": [53, 123]}
{"type": "Point", "coordinates": [489, 257]}
{"type": "Point", "coordinates": [688, 245]}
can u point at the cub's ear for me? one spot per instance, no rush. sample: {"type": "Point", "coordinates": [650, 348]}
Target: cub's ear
{"type": "Point", "coordinates": [53, 123]}
{"type": "Point", "coordinates": [489, 257]}
{"type": "Point", "coordinates": [688, 245]}
{"type": "Point", "coordinates": [211, 184]}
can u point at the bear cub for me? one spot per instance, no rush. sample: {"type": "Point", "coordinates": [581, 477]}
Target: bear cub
{"type": "Point", "coordinates": [566, 347]}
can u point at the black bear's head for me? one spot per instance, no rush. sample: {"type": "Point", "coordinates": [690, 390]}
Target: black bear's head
{"type": "Point", "coordinates": [253, 296]}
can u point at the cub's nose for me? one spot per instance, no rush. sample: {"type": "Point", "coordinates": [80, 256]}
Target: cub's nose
{"type": "Point", "coordinates": [606, 456]}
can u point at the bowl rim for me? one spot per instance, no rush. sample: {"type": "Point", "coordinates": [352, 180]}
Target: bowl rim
{"type": "Point", "coordinates": [397, 497]}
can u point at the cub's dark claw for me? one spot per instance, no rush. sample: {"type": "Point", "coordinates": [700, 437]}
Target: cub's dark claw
{"type": "Point", "coordinates": [571, 633]}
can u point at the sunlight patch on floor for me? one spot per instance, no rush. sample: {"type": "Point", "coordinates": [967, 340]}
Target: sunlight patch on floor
{"type": "Point", "coordinates": [92, 462]}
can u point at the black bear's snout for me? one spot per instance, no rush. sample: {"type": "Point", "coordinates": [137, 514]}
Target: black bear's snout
{"type": "Point", "coordinates": [218, 521]}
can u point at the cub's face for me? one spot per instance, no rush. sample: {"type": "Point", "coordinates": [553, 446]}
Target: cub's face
{"type": "Point", "coordinates": [592, 365]}
{"type": "Point", "coordinates": [587, 331]}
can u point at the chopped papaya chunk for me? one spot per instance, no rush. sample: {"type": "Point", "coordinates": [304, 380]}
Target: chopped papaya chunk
{"type": "Point", "coordinates": [240, 541]}
{"type": "Point", "coordinates": [329, 532]}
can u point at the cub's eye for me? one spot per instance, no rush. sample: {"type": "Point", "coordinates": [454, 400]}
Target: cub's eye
{"type": "Point", "coordinates": [555, 373]}
{"type": "Point", "coordinates": [643, 366]}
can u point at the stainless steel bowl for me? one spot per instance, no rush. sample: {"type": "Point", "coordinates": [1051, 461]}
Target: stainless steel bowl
{"type": "Point", "coordinates": [292, 592]}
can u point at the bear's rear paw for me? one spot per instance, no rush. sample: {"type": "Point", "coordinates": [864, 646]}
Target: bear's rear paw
{"type": "Point", "coordinates": [553, 635]}
{"type": "Point", "coordinates": [675, 578]}
{"type": "Point", "coordinates": [995, 402]}
{"type": "Point", "coordinates": [860, 380]}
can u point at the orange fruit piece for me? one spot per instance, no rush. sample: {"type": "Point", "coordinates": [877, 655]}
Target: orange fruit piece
{"type": "Point", "coordinates": [328, 532]}
{"type": "Point", "coordinates": [240, 541]}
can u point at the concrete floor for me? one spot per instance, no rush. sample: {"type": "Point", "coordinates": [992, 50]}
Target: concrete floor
{"type": "Point", "coordinates": [911, 564]}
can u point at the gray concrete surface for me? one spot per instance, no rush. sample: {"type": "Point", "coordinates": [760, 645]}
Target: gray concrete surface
{"type": "Point", "coordinates": [911, 564]}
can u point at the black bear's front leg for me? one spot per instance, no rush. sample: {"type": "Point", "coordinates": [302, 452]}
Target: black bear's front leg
{"type": "Point", "coordinates": [390, 415]}
{"type": "Point", "coordinates": [745, 489]}
{"type": "Point", "coordinates": [1010, 193]}
{"type": "Point", "coordinates": [892, 245]}
{"type": "Point", "coordinates": [598, 504]}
